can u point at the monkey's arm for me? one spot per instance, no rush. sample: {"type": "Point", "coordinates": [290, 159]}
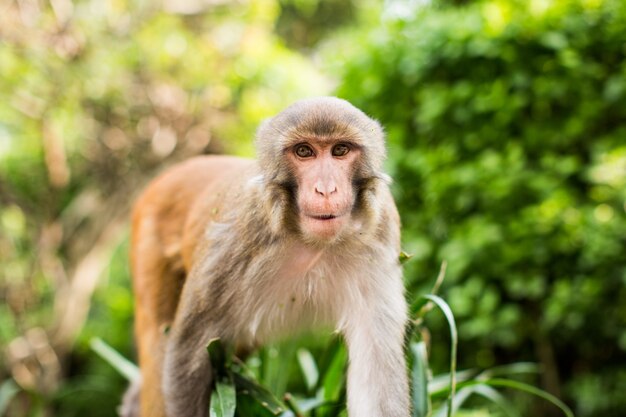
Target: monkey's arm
{"type": "Point", "coordinates": [187, 370]}
{"type": "Point", "coordinates": [377, 375]}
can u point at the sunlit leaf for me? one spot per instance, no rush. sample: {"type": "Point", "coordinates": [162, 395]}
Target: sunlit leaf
{"type": "Point", "coordinates": [127, 369]}
{"type": "Point", "coordinates": [445, 308]}
{"type": "Point", "coordinates": [419, 377]}
{"type": "Point", "coordinates": [309, 368]}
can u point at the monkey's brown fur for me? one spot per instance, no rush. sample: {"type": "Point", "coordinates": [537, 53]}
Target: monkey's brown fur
{"type": "Point", "coordinates": [221, 247]}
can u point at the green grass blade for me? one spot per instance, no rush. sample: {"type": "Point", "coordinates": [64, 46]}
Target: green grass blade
{"type": "Point", "coordinates": [439, 385]}
{"type": "Point", "coordinates": [309, 368]}
{"type": "Point", "coordinates": [445, 308]}
{"type": "Point", "coordinates": [334, 378]}
{"type": "Point", "coordinates": [417, 306]}
{"type": "Point", "coordinates": [518, 368]}
{"type": "Point", "coordinates": [459, 398]}
{"type": "Point", "coordinates": [126, 368]}
{"type": "Point", "coordinates": [419, 377]}
{"type": "Point", "coordinates": [223, 400]}
{"type": "Point", "coordinates": [418, 309]}
{"type": "Point", "coordinates": [496, 398]}
{"type": "Point", "coordinates": [521, 386]}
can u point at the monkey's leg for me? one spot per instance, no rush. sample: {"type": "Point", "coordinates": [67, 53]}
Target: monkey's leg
{"type": "Point", "coordinates": [150, 344]}
{"type": "Point", "coordinates": [157, 287]}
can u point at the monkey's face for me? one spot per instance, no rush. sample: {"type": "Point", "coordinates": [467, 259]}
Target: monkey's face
{"type": "Point", "coordinates": [325, 196]}
{"type": "Point", "coordinates": [321, 160]}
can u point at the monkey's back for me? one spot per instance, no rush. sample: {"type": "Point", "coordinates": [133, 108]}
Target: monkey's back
{"type": "Point", "coordinates": [169, 218]}
{"type": "Point", "coordinates": [176, 206]}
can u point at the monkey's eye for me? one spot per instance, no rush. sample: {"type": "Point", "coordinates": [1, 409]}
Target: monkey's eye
{"type": "Point", "coordinates": [340, 149]}
{"type": "Point", "coordinates": [303, 151]}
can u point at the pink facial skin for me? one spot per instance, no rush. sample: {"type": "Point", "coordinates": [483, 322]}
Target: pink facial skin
{"type": "Point", "coordinates": [325, 194]}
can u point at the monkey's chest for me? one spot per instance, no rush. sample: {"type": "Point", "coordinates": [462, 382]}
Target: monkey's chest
{"type": "Point", "coordinates": [304, 290]}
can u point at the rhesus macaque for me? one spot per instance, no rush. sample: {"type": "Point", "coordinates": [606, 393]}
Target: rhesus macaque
{"type": "Point", "coordinates": [249, 251]}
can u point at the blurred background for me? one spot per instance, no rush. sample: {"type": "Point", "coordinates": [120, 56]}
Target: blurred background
{"type": "Point", "coordinates": [506, 124]}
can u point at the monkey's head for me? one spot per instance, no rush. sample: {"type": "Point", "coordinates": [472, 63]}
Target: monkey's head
{"type": "Point", "coordinates": [321, 161]}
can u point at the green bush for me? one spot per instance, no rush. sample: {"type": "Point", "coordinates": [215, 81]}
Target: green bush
{"type": "Point", "coordinates": [508, 147]}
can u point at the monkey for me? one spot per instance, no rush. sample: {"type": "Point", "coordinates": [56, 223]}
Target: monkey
{"type": "Point", "coordinates": [252, 250]}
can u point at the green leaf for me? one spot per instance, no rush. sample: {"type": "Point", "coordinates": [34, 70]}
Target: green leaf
{"type": "Point", "coordinates": [445, 308]}
{"type": "Point", "coordinates": [439, 385]}
{"type": "Point", "coordinates": [404, 257]}
{"type": "Point", "coordinates": [309, 368]}
{"type": "Point", "coordinates": [497, 398]}
{"type": "Point", "coordinates": [334, 378]}
{"type": "Point", "coordinates": [262, 395]}
{"type": "Point", "coordinates": [223, 400]}
{"type": "Point", "coordinates": [250, 407]}
{"type": "Point", "coordinates": [417, 306]}
{"type": "Point", "coordinates": [521, 386]}
{"type": "Point", "coordinates": [126, 368]}
{"type": "Point", "coordinates": [419, 376]}
{"type": "Point", "coordinates": [511, 369]}
{"type": "Point", "coordinates": [459, 398]}
{"type": "Point", "coordinates": [217, 355]}
{"type": "Point", "coordinates": [483, 390]}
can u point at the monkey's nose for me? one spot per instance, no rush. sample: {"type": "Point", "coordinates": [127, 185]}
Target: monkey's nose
{"type": "Point", "coordinates": [325, 190]}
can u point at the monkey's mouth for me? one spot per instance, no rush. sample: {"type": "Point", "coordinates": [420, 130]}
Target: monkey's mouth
{"type": "Point", "coordinates": [325, 226]}
{"type": "Point", "coordinates": [323, 216]}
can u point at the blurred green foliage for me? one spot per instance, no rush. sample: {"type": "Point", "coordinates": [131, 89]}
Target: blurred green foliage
{"type": "Point", "coordinates": [508, 148]}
